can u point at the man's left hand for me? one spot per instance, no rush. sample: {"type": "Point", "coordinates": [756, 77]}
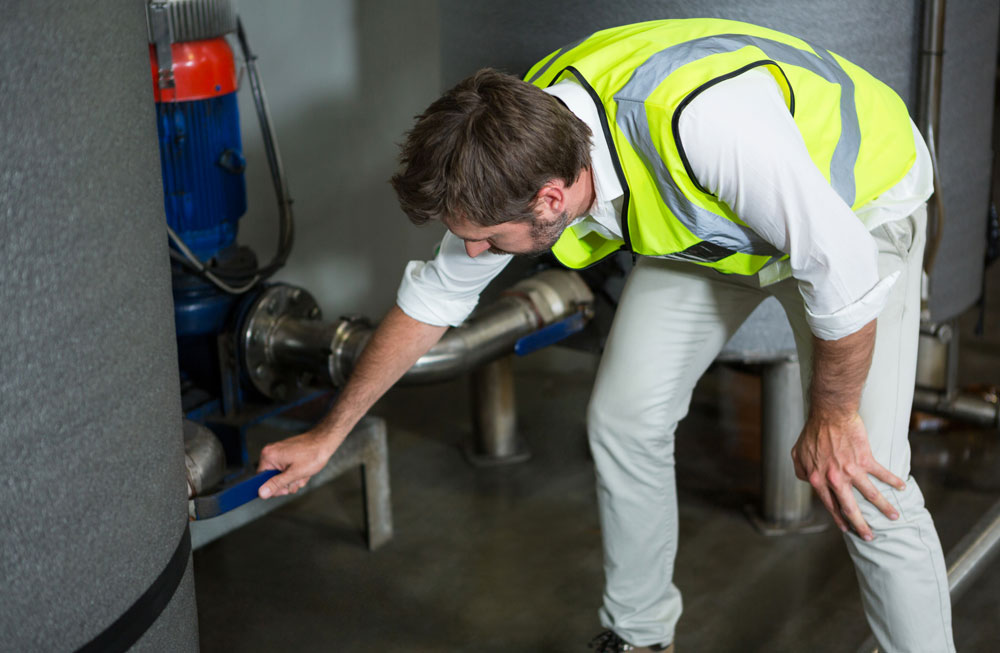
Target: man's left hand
{"type": "Point", "coordinates": [834, 456]}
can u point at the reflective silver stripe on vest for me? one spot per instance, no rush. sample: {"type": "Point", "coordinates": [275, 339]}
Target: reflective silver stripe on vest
{"type": "Point", "coordinates": [845, 154]}
{"type": "Point", "coordinates": [559, 53]}
{"type": "Point", "coordinates": [634, 123]}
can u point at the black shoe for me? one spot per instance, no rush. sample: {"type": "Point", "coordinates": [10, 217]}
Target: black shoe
{"type": "Point", "coordinates": [609, 642]}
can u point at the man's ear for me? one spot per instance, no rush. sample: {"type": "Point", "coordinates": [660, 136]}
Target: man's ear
{"type": "Point", "coordinates": [552, 196]}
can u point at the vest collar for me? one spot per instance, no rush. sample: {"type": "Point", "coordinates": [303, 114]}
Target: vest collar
{"type": "Point", "coordinates": [607, 186]}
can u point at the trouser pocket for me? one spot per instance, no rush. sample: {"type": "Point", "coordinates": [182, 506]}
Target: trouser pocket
{"type": "Point", "coordinates": [899, 234]}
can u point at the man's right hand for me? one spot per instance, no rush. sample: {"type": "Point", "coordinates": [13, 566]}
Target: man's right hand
{"type": "Point", "coordinates": [397, 343]}
{"type": "Point", "coordinates": [298, 459]}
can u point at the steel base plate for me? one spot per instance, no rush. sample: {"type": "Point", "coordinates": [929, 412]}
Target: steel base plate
{"type": "Point", "coordinates": [478, 458]}
{"type": "Point", "coordinates": [816, 522]}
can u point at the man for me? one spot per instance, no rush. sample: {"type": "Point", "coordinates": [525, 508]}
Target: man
{"type": "Point", "coordinates": [734, 162]}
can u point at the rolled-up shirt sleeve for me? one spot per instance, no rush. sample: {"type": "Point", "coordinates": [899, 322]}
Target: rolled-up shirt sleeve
{"type": "Point", "coordinates": [445, 290]}
{"type": "Point", "coordinates": [744, 147]}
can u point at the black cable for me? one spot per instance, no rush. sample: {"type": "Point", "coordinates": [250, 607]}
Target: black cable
{"type": "Point", "coordinates": [286, 230]}
{"type": "Point", "coordinates": [286, 225]}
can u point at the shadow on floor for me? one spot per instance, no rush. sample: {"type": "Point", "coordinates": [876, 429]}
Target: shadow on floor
{"type": "Point", "coordinates": [509, 559]}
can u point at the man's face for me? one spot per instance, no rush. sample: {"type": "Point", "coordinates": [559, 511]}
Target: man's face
{"type": "Point", "coordinates": [519, 238]}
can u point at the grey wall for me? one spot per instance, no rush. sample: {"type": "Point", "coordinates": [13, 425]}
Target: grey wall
{"type": "Point", "coordinates": [517, 33]}
{"type": "Point", "coordinates": [92, 490]}
{"type": "Point", "coordinates": [344, 80]}
{"type": "Point", "coordinates": [879, 35]}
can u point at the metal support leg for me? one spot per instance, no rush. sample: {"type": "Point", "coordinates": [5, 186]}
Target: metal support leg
{"type": "Point", "coordinates": [786, 502]}
{"type": "Point", "coordinates": [365, 446]}
{"type": "Point", "coordinates": [375, 483]}
{"type": "Point", "coordinates": [494, 414]}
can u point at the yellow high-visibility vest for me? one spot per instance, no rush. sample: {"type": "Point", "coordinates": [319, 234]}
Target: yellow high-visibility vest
{"type": "Point", "coordinates": [642, 76]}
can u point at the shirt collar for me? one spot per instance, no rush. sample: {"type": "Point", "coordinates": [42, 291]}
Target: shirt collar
{"type": "Point", "coordinates": [607, 186]}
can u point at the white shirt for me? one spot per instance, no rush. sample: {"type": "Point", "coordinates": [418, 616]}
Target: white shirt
{"type": "Point", "coordinates": [744, 147]}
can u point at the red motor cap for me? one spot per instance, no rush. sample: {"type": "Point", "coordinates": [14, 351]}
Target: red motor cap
{"type": "Point", "coordinates": [202, 69]}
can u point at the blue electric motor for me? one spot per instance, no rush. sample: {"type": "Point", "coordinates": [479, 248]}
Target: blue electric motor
{"type": "Point", "coordinates": [204, 191]}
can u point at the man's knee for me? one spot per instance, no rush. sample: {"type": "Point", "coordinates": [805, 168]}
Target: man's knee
{"type": "Point", "coordinates": [628, 428]}
{"type": "Point", "coordinates": [909, 503]}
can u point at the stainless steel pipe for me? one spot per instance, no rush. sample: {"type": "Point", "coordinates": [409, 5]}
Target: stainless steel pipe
{"type": "Point", "coordinates": [785, 500]}
{"type": "Point", "coordinates": [204, 458]}
{"type": "Point", "coordinates": [961, 405]}
{"type": "Point", "coordinates": [931, 51]}
{"type": "Point", "coordinates": [494, 416]}
{"type": "Point", "coordinates": [285, 343]}
{"type": "Point", "coordinates": [937, 357]}
{"type": "Point", "coordinates": [785, 504]}
{"type": "Point", "coordinates": [929, 113]}
{"type": "Point", "coordinates": [485, 336]}
{"type": "Point", "coordinates": [491, 332]}
{"type": "Point", "coordinates": [975, 551]}
{"type": "Point", "coordinates": [303, 345]}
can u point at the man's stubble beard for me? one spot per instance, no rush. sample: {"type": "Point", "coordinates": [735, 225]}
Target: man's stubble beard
{"type": "Point", "coordinates": [543, 235]}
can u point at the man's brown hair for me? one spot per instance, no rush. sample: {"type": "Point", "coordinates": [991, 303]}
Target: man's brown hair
{"type": "Point", "coordinates": [484, 149]}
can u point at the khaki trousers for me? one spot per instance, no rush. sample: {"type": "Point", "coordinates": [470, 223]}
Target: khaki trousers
{"type": "Point", "coordinates": [672, 321]}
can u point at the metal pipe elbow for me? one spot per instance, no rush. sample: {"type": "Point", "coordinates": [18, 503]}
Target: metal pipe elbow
{"type": "Point", "coordinates": [285, 342]}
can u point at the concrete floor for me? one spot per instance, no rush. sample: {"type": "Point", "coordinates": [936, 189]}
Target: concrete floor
{"type": "Point", "coordinates": [508, 559]}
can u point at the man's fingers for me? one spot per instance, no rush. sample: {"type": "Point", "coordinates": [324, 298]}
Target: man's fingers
{"type": "Point", "coordinates": [268, 490]}
{"type": "Point", "coordinates": [297, 458]}
{"type": "Point", "coordinates": [276, 486]}
{"type": "Point", "coordinates": [831, 506]}
{"type": "Point", "coordinates": [282, 484]}
{"type": "Point", "coordinates": [269, 459]}
{"type": "Point", "coordinates": [849, 508]}
{"type": "Point", "coordinates": [870, 492]}
{"type": "Point", "coordinates": [884, 475]}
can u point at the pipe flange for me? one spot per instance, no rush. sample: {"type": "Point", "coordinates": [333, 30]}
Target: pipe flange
{"type": "Point", "coordinates": [349, 340]}
{"type": "Point", "coordinates": [193, 20]}
{"type": "Point", "coordinates": [274, 304]}
{"type": "Point", "coordinates": [554, 294]}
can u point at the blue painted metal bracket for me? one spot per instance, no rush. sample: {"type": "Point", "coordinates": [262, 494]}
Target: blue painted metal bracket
{"type": "Point", "coordinates": [550, 334]}
{"type": "Point", "coordinates": [234, 496]}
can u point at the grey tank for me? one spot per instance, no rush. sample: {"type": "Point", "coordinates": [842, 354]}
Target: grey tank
{"type": "Point", "coordinates": [92, 490]}
{"type": "Point", "coordinates": [882, 37]}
